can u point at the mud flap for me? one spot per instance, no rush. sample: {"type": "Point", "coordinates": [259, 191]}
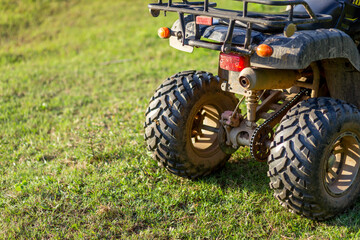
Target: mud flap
{"type": "Point", "coordinates": [175, 43]}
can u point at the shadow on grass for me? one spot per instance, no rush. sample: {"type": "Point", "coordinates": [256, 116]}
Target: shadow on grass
{"type": "Point", "coordinates": [350, 218]}
{"type": "Point", "coordinates": [241, 173]}
{"type": "Point", "coordinates": [248, 174]}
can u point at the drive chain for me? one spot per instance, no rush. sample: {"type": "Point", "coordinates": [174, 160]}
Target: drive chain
{"type": "Point", "coordinates": [264, 132]}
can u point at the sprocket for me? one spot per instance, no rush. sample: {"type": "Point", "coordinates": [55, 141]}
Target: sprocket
{"type": "Point", "coordinates": [260, 143]}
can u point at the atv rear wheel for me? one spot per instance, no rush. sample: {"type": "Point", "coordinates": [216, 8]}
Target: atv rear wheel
{"type": "Point", "coordinates": [315, 158]}
{"type": "Point", "coordinates": [182, 123]}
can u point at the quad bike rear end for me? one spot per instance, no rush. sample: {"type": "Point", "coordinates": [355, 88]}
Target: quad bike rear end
{"type": "Point", "coordinates": [298, 74]}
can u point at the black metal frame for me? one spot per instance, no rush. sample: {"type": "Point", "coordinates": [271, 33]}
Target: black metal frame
{"type": "Point", "coordinates": [205, 8]}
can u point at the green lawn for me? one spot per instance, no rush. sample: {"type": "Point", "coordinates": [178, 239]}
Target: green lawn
{"type": "Point", "coordinates": [75, 80]}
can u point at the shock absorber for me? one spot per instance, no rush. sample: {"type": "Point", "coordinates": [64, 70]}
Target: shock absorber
{"type": "Point", "coordinates": [251, 104]}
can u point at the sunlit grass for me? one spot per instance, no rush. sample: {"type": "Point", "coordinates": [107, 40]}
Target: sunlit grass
{"type": "Point", "coordinates": [76, 77]}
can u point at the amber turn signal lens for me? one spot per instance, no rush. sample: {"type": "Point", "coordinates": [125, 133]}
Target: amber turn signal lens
{"type": "Point", "coordinates": [264, 50]}
{"type": "Point", "coordinates": [164, 32]}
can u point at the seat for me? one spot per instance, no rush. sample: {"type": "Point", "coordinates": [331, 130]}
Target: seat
{"type": "Point", "coordinates": [329, 7]}
{"type": "Point", "coordinates": [333, 8]}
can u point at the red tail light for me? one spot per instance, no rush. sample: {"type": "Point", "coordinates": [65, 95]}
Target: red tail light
{"type": "Point", "coordinates": [202, 20]}
{"type": "Point", "coordinates": [233, 62]}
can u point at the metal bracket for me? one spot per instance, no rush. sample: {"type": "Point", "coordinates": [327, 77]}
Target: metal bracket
{"type": "Point", "coordinates": [182, 27]}
{"type": "Point", "coordinates": [226, 47]}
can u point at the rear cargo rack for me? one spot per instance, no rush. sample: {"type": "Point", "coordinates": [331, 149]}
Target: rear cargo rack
{"type": "Point", "coordinates": [206, 8]}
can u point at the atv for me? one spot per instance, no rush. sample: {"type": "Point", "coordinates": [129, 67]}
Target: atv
{"type": "Point", "coordinates": [298, 71]}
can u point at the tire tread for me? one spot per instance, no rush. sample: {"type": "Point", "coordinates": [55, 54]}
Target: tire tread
{"type": "Point", "coordinates": [165, 115]}
{"type": "Point", "coordinates": [297, 138]}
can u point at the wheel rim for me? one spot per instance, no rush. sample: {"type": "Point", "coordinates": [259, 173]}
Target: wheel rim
{"type": "Point", "coordinates": [342, 165]}
{"type": "Point", "coordinates": [204, 131]}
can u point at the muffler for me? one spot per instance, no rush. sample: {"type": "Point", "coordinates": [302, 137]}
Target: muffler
{"type": "Point", "coordinates": [261, 79]}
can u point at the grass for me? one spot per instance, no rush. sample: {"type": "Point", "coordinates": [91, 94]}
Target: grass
{"type": "Point", "coordinates": [76, 77]}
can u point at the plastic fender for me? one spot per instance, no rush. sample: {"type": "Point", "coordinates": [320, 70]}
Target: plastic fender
{"type": "Point", "coordinates": [305, 47]}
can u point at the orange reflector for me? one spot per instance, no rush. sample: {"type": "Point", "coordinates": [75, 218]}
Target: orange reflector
{"type": "Point", "coordinates": [164, 32]}
{"type": "Point", "coordinates": [202, 20]}
{"type": "Point", "coordinates": [233, 62]}
{"type": "Point", "coordinates": [264, 50]}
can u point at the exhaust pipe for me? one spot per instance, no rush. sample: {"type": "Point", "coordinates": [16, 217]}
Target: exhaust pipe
{"type": "Point", "coordinates": [260, 79]}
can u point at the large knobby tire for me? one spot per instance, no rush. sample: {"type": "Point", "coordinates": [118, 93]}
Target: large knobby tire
{"type": "Point", "coordinates": [315, 158]}
{"type": "Point", "coordinates": [182, 123]}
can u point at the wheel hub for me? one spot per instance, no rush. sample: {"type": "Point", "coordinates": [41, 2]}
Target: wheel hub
{"type": "Point", "coordinates": [343, 164]}
{"type": "Point", "coordinates": [205, 129]}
